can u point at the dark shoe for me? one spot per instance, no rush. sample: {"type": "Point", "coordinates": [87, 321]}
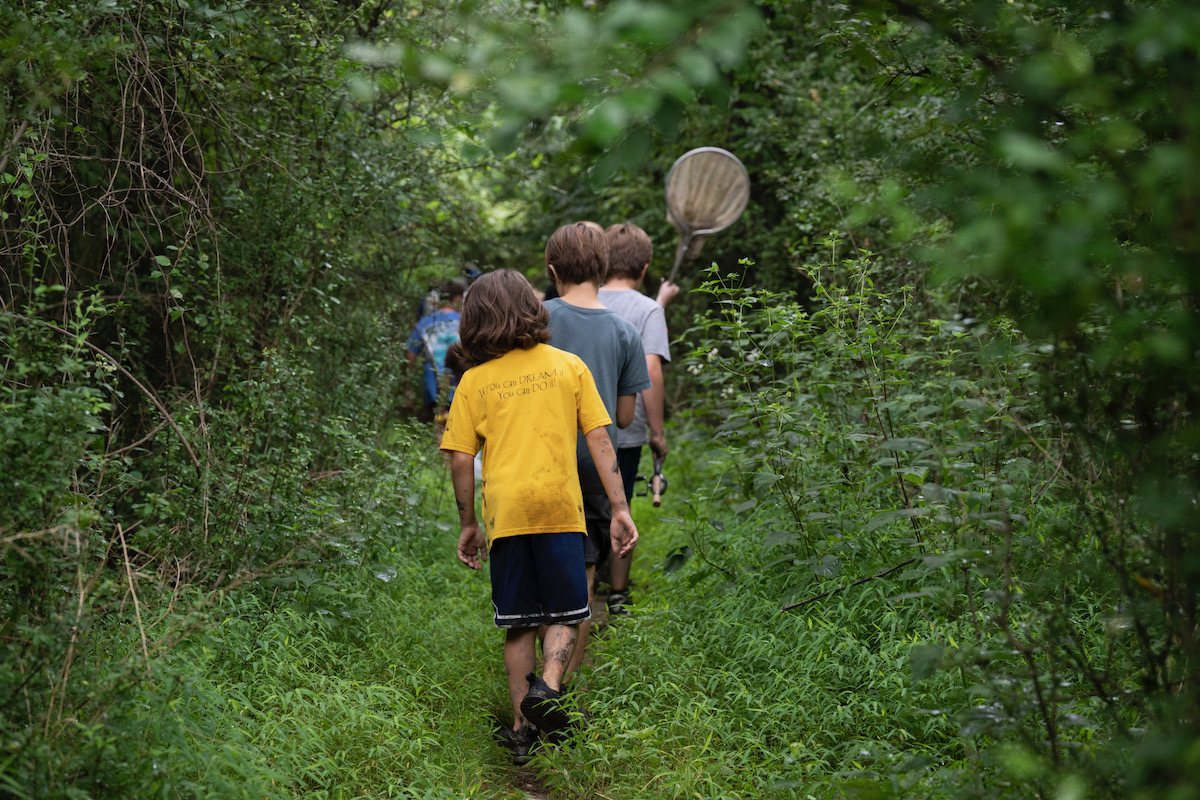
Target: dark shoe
{"type": "Point", "coordinates": [544, 707]}
{"type": "Point", "coordinates": [521, 742]}
{"type": "Point", "coordinates": [619, 602]}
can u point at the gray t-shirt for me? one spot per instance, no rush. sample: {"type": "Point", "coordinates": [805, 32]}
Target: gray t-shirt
{"type": "Point", "coordinates": [651, 323]}
{"type": "Point", "coordinates": [612, 350]}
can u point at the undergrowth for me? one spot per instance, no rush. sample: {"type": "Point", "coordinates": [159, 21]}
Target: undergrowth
{"type": "Point", "coordinates": [879, 572]}
{"type": "Point", "coordinates": [880, 582]}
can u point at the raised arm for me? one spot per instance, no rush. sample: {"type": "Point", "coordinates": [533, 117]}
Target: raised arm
{"type": "Point", "coordinates": [666, 293]}
{"type": "Point", "coordinates": [623, 532]}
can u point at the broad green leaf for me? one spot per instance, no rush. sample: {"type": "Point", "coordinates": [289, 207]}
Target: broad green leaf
{"type": "Point", "coordinates": [697, 68]}
{"type": "Point", "coordinates": [745, 506]}
{"type": "Point", "coordinates": [676, 559]}
{"type": "Point", "coordinates": [780, 537]}
{"type": "Point", "coordinates": [606, 122]}
{"type": "Point", "coordinates": [905, 443]}
{"type": "Point", "coordinates": [925, 660]}
{"type": "Point", "coordinates": [1027, 153]}
{"type": "Point", "coordinates": [826, 566]}
{"type": "Point", "coordinates": [879, 520]}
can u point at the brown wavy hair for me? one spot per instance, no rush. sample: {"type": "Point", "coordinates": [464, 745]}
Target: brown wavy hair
{"type": "Point", "coordinates": [579, 253]}
{"type": "Point", "coordinates": [629, 249]}
{"type": "Point", "coordinates": [500, 313]}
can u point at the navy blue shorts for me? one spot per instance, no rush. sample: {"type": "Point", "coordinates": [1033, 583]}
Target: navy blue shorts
{"type": "Point", "coordinates": [539, 579]}
{"type": "Point", "coordinates": [597, 513]}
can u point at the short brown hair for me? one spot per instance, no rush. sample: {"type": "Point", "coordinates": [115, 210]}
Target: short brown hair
{"type": "Point", "coordinates": [452, 289]}
{"type": "Point", "coordinates": [629, 249]}
{"type": "Point", "coordinates": [579, 253]}
{"type": "Point", "coordinates": [500, 313]}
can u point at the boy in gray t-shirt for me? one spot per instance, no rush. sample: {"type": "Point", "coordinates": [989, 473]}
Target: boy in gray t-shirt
{"type": "Point", "coordinates": [629, 254]}
{"type": "Point", "coordinates": [577, 261]}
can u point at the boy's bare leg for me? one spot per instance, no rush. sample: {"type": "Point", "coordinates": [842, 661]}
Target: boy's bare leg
{"type": "Point", "coordinates": [520, 659]}
{"type": "Point", "coordinates": [618, 572]}
{"type": "Point", "coordinates": [585, 627]}
{"type": "Point", "coordinates": [557, 650]}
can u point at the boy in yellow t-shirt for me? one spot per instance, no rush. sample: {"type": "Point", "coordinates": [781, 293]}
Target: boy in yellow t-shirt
{"type": "Point", "coordinates": [521, 402]}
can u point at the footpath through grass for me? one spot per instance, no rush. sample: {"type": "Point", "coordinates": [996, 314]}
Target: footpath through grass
{"type": "Point", "coordinates": [374, 680]}
{"type": "Point", "coordinates": [385, 680]}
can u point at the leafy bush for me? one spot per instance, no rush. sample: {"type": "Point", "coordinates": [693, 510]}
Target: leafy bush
{"type": "Point", "coordinates": [868, 455]}
{"type": "Point", "coordinates": [106, 549]}
{"type": "Point", "coordinates": [126, 679]}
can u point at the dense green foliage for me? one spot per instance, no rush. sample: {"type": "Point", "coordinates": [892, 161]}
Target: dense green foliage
{"type": "Point", "coordinates": [932, 527]}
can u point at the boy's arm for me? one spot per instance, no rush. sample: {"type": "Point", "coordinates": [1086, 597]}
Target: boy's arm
{"type": "Point", "coordinates": [652, 398]}
{"type": "Point", "coordinates": [623, 532]}
{"type": "Point", "coordinates": [626, 404]}
{"type": "Point", "coordinates": [472, 545]}
{"type": "Point", "coordinates": [666, 293]}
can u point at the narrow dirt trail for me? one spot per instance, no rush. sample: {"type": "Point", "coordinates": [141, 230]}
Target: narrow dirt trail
{"type": "Point", "coordinates": [527, 781]}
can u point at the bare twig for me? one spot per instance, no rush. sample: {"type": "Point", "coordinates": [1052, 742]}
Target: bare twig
{"type": "Point", "coordinates": [137, 607]}
{"type": "Point", "coordinates": [153, 431]}
{"type": "Point", "coordinates": [817, 597]}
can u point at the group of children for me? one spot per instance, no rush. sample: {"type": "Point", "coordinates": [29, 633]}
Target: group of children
{"type": "Point", "coordinates": [548, 388]}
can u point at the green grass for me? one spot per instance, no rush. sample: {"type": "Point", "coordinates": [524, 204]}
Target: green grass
{"type": "Point", "coordinates": [708, 690]}
{"type": "Point", "coordinates": [389, 697]}
{"type": "Point", "coordinates": [382, 676]}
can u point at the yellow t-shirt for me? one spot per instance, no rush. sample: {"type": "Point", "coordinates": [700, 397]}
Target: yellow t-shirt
{"type": "Point", "coordinates": [523, 410]}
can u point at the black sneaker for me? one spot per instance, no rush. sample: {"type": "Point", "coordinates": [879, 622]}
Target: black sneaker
{"type": "Point", "coordinates": [619, 602]}
{"type": "Point", "coordinates": [521, 742]}
{"type": "Point", "coordinates": [544, 707]}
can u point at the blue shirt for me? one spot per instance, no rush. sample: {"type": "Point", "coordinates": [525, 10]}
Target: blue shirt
{"type": "Point", "coordinates": [433, 336]}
